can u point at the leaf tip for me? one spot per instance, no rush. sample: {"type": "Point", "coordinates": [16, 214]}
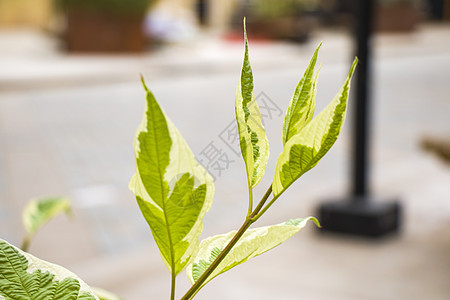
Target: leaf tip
{"type": "Point", "coordinates": [355, 62]}
{"type": "Point", "coordinates": [315, 221]}
{"type": "Point", "coordinates": [143, 82]}
{"type": "Point", "coordinates": [318, 48]}
{"type": "Point", "coordinates": [351, 71]}
{"type": "Point", "coordinates": [244, 21]}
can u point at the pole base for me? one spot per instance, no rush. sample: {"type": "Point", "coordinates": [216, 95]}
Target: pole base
{"type": "Point", "coordinates": [360, 216]}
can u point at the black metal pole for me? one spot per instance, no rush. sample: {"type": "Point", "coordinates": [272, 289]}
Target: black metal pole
{"type": "Point", "coordinates": [361, 116]}
{"type": "Point", "coordinates": [202, 11]}
{"type": "Point", "coordinates": [360, 214]}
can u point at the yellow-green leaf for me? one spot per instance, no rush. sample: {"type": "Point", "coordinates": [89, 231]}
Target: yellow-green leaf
{"type": "Point", "coordinates": [304, 150]}
{"type": "Point", "coordinates": [23, 276]}
{"type": "Point", "coordinates": [252, 137]}
{"type": "Point", "coordinates": [104, 294]}
{"type": "Point", "coordinates": [173, 191]}
{"type": "Point", "coordinates": [301, 107]}
{"type": "Point", "coordinates": [41, 210]}
{"type": "Point", "coordinates": [253, 243]}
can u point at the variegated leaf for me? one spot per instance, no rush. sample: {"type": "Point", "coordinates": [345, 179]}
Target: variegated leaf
{"type": "Point", "coordinates": [304, 150]}
{"type": "Point", "coordinates": [253, 243]}
{"type": "Point", "coordinates": [173, 191]}
{"type": "Point", "coordinates": [39, 211]}
{"type": "Point", "coordinates": [23, 276]}
{"type": "Point", "coordinates": [104, 294]}
{"type": "Point", "coordinates": [252, 137]}
{"type": "Point", "coordinates": [301, 107]}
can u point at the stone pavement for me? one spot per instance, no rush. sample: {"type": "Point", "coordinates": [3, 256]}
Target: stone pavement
{"type": "Point", "coordinates": [67, 124]}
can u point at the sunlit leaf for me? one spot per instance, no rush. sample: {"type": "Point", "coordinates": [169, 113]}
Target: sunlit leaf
{"type": "Point", "coordinates": [304, 150]}
{"type": "Point", "coordinates": [252, 137]}
{"type": "Point", "coordinates": [39, 211]}
{"type": "Point", "coordinates": [23, 276]}
{"type": "Point", "coordinates": [104, 294]}
{"type": "Point", "coordinates": [173, 191]}
{"type": "Point", "coordinates": [253, 243]}
{"type": "Point", "coordinates": [301, 107]}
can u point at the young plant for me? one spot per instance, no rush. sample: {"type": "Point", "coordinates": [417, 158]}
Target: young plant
{"type": "Point", "coordinates": [36, 214]}
{"type": "Point", "coordinates": [174, 192]}
{"type": "Point", "coordinates": [23, 276]}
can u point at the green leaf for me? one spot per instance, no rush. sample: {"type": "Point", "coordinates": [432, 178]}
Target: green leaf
{"type": "Point", "coordinates": [301, 107]}
{"type": "Point", "coordinates": [39, 211]}
{"type": "Point", "coordinates": [173, 191]}
{"type": "Point", "coordinates": [23, 276]}
{"type": "Point", "coordinates": [252, 137]}
{"type": "Point", "coordinates": [304, 150]}
{"type": "Point", "coordinates": [253, 243]}
{"type": "Point", "coordinates": [104, 294]}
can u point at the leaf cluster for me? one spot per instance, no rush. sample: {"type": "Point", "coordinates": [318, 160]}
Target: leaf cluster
{"type": "Point", "coordinates": [174, 192]}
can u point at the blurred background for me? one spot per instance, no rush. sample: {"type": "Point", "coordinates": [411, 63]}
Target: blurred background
{"type": "Point", "coordinates": [71, 100]}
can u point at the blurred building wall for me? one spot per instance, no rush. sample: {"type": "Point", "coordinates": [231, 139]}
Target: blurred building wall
{"type": "Point", "coordinates": [33, 13]}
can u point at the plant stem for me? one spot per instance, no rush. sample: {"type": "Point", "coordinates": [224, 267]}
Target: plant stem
{"type": "Point", "coordinates": [261, 203]}
{"type": "Point", "coordinates": [172, 287]}
{"type": "Point", "coordinates": [198, 284]}
{"type": "Point", "coordinates": [256, 216]}
{"type": "Point", "coordinates": [250, 200]}
{"type": "Point", "coordinates": [248, 221]}
{"type": "Point", "coordinates": [25, 243]}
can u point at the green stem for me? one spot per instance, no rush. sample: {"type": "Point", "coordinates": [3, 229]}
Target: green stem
{"type": "Point", "coordinates": [258, 215]}
{"type": "Point", "coordinates": [25, 243]}
{"type": "Point", "coordinates": [172, 287]}
{"type": "Point", "coordinates": [249, 221]}
{"type": "Point", "coordinates": [250, 200]}
{"type": "Point", "coordinates": [198, 284]}
{"type": "Point", "coordinates": [261, 203]}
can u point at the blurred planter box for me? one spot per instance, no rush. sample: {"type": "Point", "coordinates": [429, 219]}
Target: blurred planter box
{"type": "Point", "coordinates": [100, 32]}
{"type": "Point", "coordinates": [401, 16]}
{"type": "Point", "coordinates": [290, 28]}
{"type": "Point", "coordinates": [104, 25]}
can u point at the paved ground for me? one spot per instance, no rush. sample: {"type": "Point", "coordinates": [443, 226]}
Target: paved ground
{"type": "Point", "coordinates": [67, 124]}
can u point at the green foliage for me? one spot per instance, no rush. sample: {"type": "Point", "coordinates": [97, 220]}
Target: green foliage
{"type": "Point", "coordinates": [23, 276]}
{"type": "Point", "coordinates": [252, 137]}
{"type": "Point", "coordinates": [310, 140]}
{"type": "Point", "coordinates": [127, 7]}
{"type": "Point", "coordinates": [253, 243]}
{"type": "Point", "coordinates": [301, 107]}
{"type": "Point", "coordinates": [173, 191]}
{"type": "Point", "coordinates": [396, 2]}
{"type": "Point", "coordinates": [272, 9]}
{"type": "Point", "coordinates": [39, 211]}
{"type": "Point", "coordinates": [174, 211]}
{"type": "Point", "coordinates": [104, 295]}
